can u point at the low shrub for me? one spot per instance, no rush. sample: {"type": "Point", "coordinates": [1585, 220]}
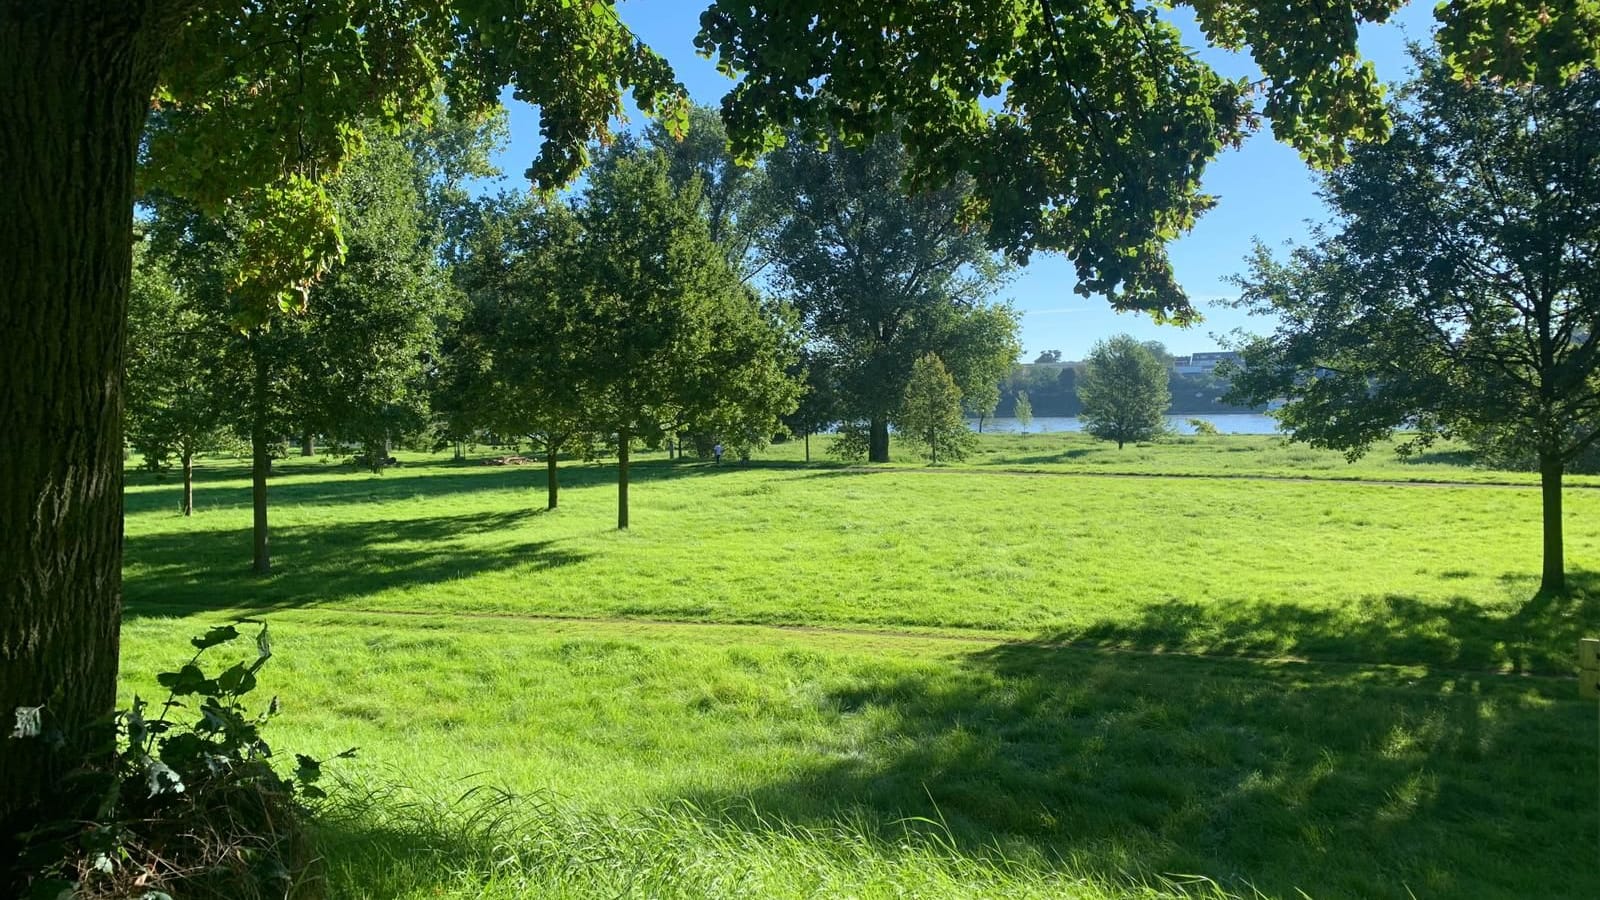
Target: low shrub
{"type": "Point", "coordinates": [169, 809]}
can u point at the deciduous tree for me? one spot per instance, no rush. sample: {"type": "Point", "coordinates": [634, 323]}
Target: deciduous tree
{"type": "Point", "coordinates": [929, 415]}
{"type": "Point", "coordinates": [1022, 410]}
{"type": "Point", "coordinates": [1124, 391]}
{"type": "Point", "coordinates": [1457, 291]}
{"type": "Point", "coordinates": [175, 399]}
{"type": "Point", "coordinates": [665, 332]}
{"type": "Point", "coordinates": [882, 278]}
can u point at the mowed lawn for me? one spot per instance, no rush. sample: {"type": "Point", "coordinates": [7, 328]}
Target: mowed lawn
{"type": "Point", "coordinates": [1356, 694]}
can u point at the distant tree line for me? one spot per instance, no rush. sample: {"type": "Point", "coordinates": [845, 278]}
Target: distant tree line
{"type": "Point", "coordinates": [1052, 388]}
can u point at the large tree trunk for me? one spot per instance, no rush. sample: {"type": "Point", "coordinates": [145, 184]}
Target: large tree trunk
{"type": "Point", "coordinates": [878, 440]}
{"type": "Point", "coordinates": [77, 79]}
{"type": "Point", "coordinates": [188, 482]}
{"type": "Point", "coordinates": [260, 459]}
{"type": "Point", "coordinates": [308, 444]}
{"type": "Point", "coordinates": [1554, 578]}
{"type": "Point", "coordinates": [551, 482]}
{"type": "Point", "coordinates": [622, 479]}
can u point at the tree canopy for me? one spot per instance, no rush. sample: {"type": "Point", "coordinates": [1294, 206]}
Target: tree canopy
{"type": "Point", "coordinates": [665, 332]}
{"type": "Point", "coordinates": [929, 415]}
{"type": "Point", "coordinates": [882, 279]}
{"type": "Point", "coordinates": [1457, 290]}
{"type": "Point", "coordinates": [1124, 391]}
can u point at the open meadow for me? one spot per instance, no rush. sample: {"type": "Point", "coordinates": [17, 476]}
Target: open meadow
{"type": "Point", "coordinates": [1245, 668]}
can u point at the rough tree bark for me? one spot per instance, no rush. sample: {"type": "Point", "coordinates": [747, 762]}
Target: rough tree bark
{"type": "Point", "coordinates": [622, 479]}
{"type": "Point", "coordinates": [188, 481]}
{"type": "Point", "coordinates": [260, 460]}
{"type": "Point", "coordinates": [78, 77]}
{"type": "Point", "coordinates": [308, 444]}
{"type": "Point", "coordinates": [878, 440]}
{"type": "Point", "coordinates": [1554, 577]}
{"type": "Point", "coordinates": [552, 484]}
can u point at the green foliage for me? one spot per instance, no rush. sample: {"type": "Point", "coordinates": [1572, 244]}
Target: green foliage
{"type": "Point", "coordinates": [353, 365]}
{"type": "Point", "coordinates": [1124, 392]}
{"type": "Point", "coordinates": [929, 415]}
{"type": "Point", "coordinates": [512, 366]}
{"type": "Point", "coordinates": [881, 279]}
{"type": "Point", "coordinates": [1022, 410]}
{"type": "Point", "coordinates": [364, 349]}
{"type": "Point", "coordinates": [1204, 428]}
{"type": "Point", "coordinates": [196, 809]}
{"type": "Point", "coordinates": [259, 106]}
{"type": "Point", "coordinates": [735, 199]}
{"type": "Point", "coordinates": [668, 335]}
{"type": "Point", "coordinates": [1455, 291]}
{"type": "Point", "coordinates": [1116, 174]}
{"type": "Point", "coordinates": [174, 402]}
{"type": "Point", "coordinates": [851, 442]}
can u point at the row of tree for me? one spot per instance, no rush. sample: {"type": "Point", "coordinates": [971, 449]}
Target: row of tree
{"type": "Point", "coordinates": [678, 298]}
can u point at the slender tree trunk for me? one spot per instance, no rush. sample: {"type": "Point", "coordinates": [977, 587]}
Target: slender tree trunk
{"type": "Point", "coordinates": [808, 445]}
{"type": "Point", "coordinates": [878, 440]}
{"type": "Point", "coordinates": [188, 482]}
{"type": "Point", "coordinates": [260, 459]}
{"type": "Point", "coordinates": [933, 445]}
{"type": "Point", "coordinates": [308, 444]}
{"type": "Point", "coordinates": [622, 479]}
{"type": "Point", "coordinates": [552, 484]}
{"type": "Point", "coordinates": [77, 79]}
{"type": "Point", "coordinates": [1554, 577]}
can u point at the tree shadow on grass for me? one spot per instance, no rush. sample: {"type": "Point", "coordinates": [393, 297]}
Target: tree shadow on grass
{"type": "Point", "coordinates": [1004, 459]}
{"type": "Point", "coordinates": [318, 486]}
{"type": "Point", "coordinates": [174, 574]}
{"type": "Point", "coordinates": [1538, 636]}
{"type": "Point", "coordinates": [1275, 777]}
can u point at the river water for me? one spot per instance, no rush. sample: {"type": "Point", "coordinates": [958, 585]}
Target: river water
{"type": "Point", "coordinates": [1227, 423]}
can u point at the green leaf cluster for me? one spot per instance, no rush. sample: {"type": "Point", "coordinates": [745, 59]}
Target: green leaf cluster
{"type": "Point", "coordinates": [192, 807]}
{"type": "Point", "coordinates": [1123, 390]}
{"type": "Point", "coordinates": [929, 416]}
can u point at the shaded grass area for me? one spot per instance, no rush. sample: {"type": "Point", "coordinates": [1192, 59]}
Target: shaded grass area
{"type": "Point", "coordinates": [1436, 575]}
{"type": "Point", "coordinates": [688, 761]}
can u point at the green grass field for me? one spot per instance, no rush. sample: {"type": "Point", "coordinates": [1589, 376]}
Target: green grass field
{"type": "Point", "coordinates": [818, 682]}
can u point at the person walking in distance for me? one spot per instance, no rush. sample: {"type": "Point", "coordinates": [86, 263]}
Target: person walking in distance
{"type": "Point", "coordinates": [716, 452]}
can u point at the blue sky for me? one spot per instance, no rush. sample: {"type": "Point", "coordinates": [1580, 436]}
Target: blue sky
{"type": "Point", "coordinates": [1264, 191]}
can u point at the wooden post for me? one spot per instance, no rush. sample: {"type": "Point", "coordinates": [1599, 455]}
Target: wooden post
{"type": "Point", "coordinates": [1589, 668]}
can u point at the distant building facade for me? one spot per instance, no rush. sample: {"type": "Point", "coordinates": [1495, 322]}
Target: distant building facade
{"type": "Point", "coordinates": [1204, 363]}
